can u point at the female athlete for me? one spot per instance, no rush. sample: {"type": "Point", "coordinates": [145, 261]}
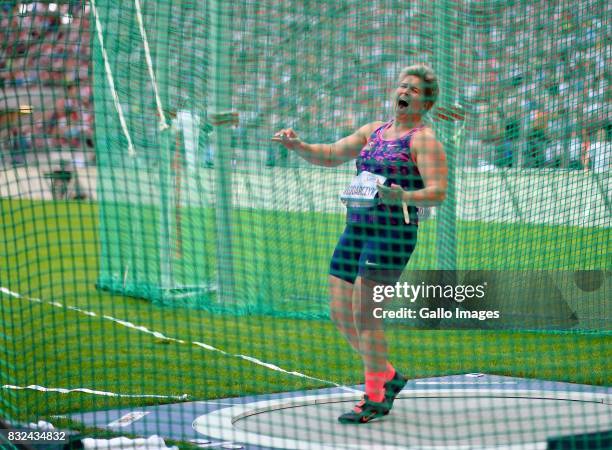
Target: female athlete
{"type": "Point", "coordinates": [377, 242]}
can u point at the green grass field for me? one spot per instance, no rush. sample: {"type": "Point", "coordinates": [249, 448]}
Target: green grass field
{"type": "Point", "coordinates": [51, 251]}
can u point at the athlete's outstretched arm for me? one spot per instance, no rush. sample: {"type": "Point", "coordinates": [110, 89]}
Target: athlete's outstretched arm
{"type": "Point", "coordinates": [327, 155]}
{"type": "Point", "coordinates": [431, 161]}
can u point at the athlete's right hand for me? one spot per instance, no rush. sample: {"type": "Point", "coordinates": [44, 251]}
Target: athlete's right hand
{"type": "Point", "coordinates": [288, 138]}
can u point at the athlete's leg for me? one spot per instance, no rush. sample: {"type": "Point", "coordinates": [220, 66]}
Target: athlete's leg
{"type": "Point", "coordinates": [341, 309]}
{"type": "Point", "coordinates": [372, 341]}
{"type": "Point", "coordinates": [373, 351]}
{"type": "Point", "coordinates": [342, 274]}
{"type": "Point", "coordinates": [385, 255]}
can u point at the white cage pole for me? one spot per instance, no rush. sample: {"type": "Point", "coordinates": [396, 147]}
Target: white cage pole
{"type": "Point", "coordinates": [219, 94]}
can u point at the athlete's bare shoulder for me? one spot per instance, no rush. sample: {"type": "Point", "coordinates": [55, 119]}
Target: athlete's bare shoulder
{"type": "Point", "coordinates": [424, 137]}
{"type": "Point", "coordinates": [425, 133]}
{"type": "Point", "coordinates": [369, 128]}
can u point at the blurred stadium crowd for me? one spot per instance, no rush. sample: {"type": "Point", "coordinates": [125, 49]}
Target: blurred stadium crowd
{"type": "Point", "coordinates": [535, 83]}
{"type": "Point", "coordinates": [45, 80]}
{"type": "Point", "coordinates": [542, 93]}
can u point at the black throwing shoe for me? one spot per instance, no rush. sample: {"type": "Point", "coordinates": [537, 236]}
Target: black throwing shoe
{"type": "Point", "coordinates": [365, 411]}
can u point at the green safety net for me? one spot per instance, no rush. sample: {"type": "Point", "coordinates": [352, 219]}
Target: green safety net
{"type": "Point", "coordinates": [251, 228]}
{"type": "Point", "coordinates": [189, 226]}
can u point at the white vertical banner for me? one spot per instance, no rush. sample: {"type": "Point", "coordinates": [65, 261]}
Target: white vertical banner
{"type": "Point", "coordinates": [188, 124]}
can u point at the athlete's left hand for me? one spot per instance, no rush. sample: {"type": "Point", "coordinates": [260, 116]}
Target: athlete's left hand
{"type": "Point", "coordinates": [390, 195]}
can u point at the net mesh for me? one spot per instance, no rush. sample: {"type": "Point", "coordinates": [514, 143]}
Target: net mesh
{"type": "Point", "coordinates": [325, 72]}
{"type": "Point", "coordinates": [159, 224]}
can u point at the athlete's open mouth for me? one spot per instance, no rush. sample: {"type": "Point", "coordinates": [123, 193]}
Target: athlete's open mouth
{"type": "Point", "coordinates": [402, 103]}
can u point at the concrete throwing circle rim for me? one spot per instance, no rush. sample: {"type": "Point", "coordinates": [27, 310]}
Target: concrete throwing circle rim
{"type": "Point", "coordinates": [220, 423]}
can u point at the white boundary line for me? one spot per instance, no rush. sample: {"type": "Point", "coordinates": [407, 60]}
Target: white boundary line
{"type": "Point", "coordinates": [159, 335]}
{"type": "Point", "coordinates": [143, 33]}
{"type": "Point", "coordinates": [111, 81]}
{"type": "Point", "coordinates": [219, 424]}
{"type": "Point", "coordinates": [36, 387]}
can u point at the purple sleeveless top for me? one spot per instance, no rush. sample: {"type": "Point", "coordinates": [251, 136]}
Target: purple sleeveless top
{"type": "Point", "coordinates": [392, 159]}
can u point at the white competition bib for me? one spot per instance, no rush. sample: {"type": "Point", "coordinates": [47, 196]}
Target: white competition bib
{"type": "Point", "coordinates": [425, 213]}
{"type": "Point", "coordinates": [362, 192]}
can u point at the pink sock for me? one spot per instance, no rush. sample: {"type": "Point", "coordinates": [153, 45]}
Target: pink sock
{"type": "Point", "coordinates": [375, 385]}
{"type": "Point", "coordinates": [390, 372]}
